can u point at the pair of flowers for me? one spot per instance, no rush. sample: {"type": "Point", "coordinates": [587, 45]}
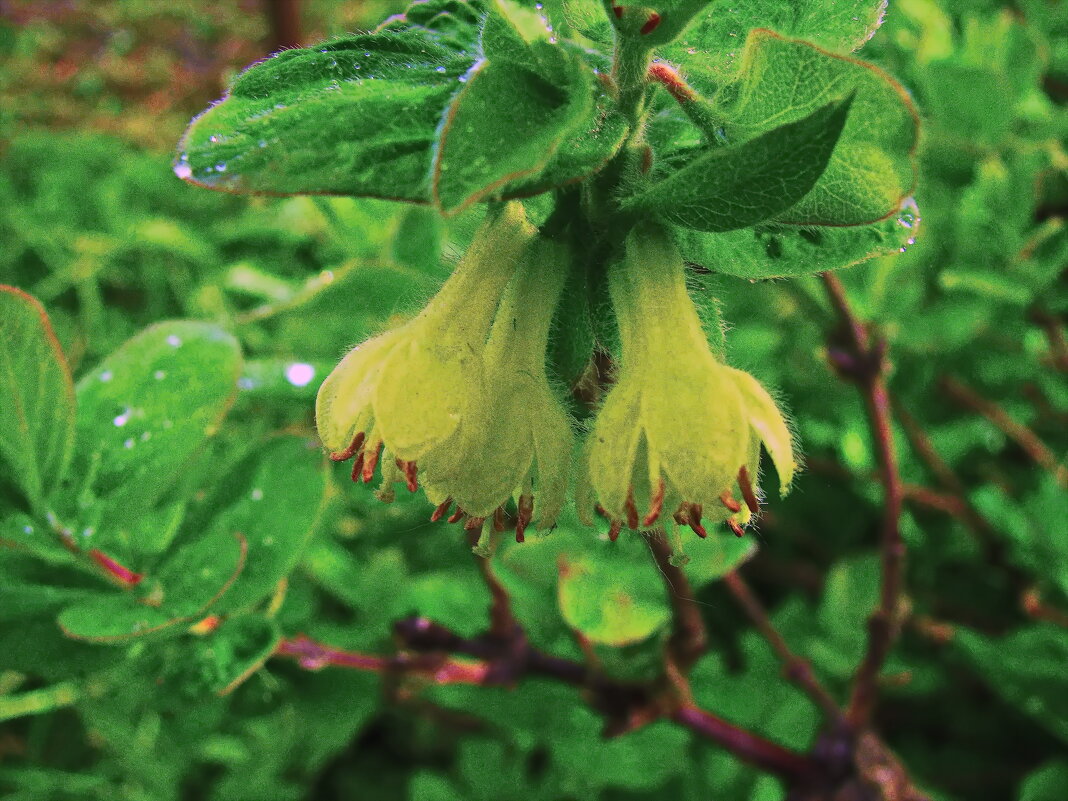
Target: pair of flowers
{"type": "Point", "coordinates": [459, 400]}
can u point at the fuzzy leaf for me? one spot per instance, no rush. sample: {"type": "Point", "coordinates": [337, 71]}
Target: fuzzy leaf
{"type": "Point", "coordinates": [727, 188]}
{"type": "Point", "coordinates": [509, 121]}
{"type": "Point", "coordinates": [36, 398]}
{"type": "Point", "coordinates": [779, 251]}
{"type": "Point", "coordinates": [872, 169]}
{"type": "Point", "coordinates": [354, 116]}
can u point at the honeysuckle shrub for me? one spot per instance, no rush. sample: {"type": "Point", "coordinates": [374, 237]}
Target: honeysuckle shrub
{"type": "Point", "coordinates": [168, 516]}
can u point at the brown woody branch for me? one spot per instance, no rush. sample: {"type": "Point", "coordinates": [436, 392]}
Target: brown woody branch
{"type": "Point", "coordinates": [689, 640]}
{"type": "Point", "coordinates": [431, 654]}
{"type": "Point", "coordinates": [1019, 433]}
{"type": "Point", "coordinates": [862, 360]}
{"type": "Point", "coordinates": [797, 670]}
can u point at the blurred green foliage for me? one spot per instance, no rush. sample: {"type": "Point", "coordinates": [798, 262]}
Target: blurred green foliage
{"type": "Point", "coordinates": [195, 464]}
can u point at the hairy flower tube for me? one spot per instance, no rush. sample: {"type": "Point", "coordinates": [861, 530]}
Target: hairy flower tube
{"type": "Point", "coordinates": [516, 440]}
{"type": "Point", "coordinates": [679, 432]}
{"type": "Point", "coordinates": [407, 390]}
{"type": "Point", "coordinates": [458, 398]}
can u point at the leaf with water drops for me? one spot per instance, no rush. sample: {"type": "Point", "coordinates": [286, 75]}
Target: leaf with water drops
{"type": "Point", "coordinates": [714, 40]}
{"type": "Point", "coordinates": [780, 251]}
{"type": "Point", "coordinates": [873, 168]}
{"type": "Point", "coordinates": [726, 188]}
{"type": "Point", "coordinates": [147, 408]}
{"type": "Point", "coordinates": [36, 398]}
{"type": "Point", "coordinates": [237, 649]}
{"type": "Point", "coordinates": [354, 116]}
{"type": "Point", "coordinates": [271, 499]}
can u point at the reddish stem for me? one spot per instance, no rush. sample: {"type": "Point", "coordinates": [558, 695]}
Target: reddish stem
{"type": "Point", "coordinates": [864, 363]}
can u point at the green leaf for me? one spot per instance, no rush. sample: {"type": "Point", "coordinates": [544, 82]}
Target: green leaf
{"type": "Point", "coordinates": [190, 583]}
{"type": "Point", "coordinates": [841, 26]}
{"type": "Point", "coordinates": [1045, 783]}
{"type": "Point", "coordinates": [272, 500]}
{"type": "Point", "coordinates": [610, 596]}
{"type": "Point", "coordinates": [1026, 668]}
{"type": "Point", "coordinates": [147, 408]}
{"type": "Point", "coordinates": [36, 398]}
{"type": "Point", "coordinates": [727, 188]}
{"type": "Point", "coordinates": [872, 169]}
{"type": "Point", "coordinates": [779, 251]}
{"type": "Point", "coordinates": [238, 648]}
{"type": "Point", "coordinates": [354, 116]}
{"type": "Point", "coordinates": [509, 120]}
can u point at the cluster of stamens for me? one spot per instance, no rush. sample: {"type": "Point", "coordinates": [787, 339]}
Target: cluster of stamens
{"type": "Point", "coordinates": [363, 469]}
{"type": "Point", "coordinates": [687, 514]}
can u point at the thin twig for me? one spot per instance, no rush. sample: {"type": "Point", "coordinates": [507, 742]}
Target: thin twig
{"type": "Point", "coordinates": [689, 639]}
{"type": "Point", "coordinates": [1019, 433]}
{"type": "Point", "coordinates": [798, 670]}
{"type": "Point", "coordinates": [1034, 607]}
{"type": "Point", "coordinates": [864, 363]}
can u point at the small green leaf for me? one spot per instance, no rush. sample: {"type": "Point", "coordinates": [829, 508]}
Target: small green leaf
{"type": "Point", "coordinates": [145, 410]}
{"type": "Point", "coordinates": [508, 122]}
{"type": "Point", "coordinates": [610, 598]}
{"type": "Point", "coordinates": [190, 583]}
{"type": "Point", "coordinates": [727, 188]}
{"type": "Point", "coordinates": [36, 398]}
{"type": "Point", "coordinates": [354, 116]}
{"type": "Point", "coordinates": [778, 251]}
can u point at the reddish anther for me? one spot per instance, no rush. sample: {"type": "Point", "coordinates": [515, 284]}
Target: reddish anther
{"type": "Point", "coordinates": [614, 529]}
{"type": "Point", "coordinates": [618, 11]}
{"type": "Point", "coordinates": [456, 516]}
{"type": "Point", "coordinates": [746, 487]}
{"type": "Point", "coordinates": [474, 523]}
{"type": "Point", "coordinates": [650, 24]}
{"type": "Point", "coordinates": [411, 475]}
{"type": "Point", "coordinates": [349, 452]}
{"type": "Point", "coordinates": [370, 463]}
{"type": "Point", "coordinates": [632, 510]}
{"type": "Point", "coordinates": [357, 467]}
{"type": "Point", "coordinates": [441, 510]}
{"type": "Point", "coordinates": [602, 512]}
{"type": "Point", "coordinates": [656, 505]}
{"type": "Point", "coordinates": [737, 529]}
{"type": "Point", "coordinates": [498, 519]}
{"type": "Point", "coordinates": [523, 516]}
{"type": "Point", "coordinates": [732, 505]}
{"type": "Point", "coordinates": [647, 159]}
{"type": "Point", "coordinates": [120, 572]}
{"type": "Point", "coordinates": [694, 519]}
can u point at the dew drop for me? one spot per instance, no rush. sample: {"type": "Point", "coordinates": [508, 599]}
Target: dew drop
{"type": "Point", "coordinates": [174, 341]}
{"type": "Point", "coordinates": [439, 69]}
{"type": "Point", "coordinates": [300, 374]}
{"type": "Point", "coordinates": [128, 444]}
{"type": "Point", "coordinates": [122, 419]}
{"type": "Point", "coordinates": [182, 168]}
{"type": "Point", "coordinates": [106, 376]}
{"type": "Point", "coordinates": [220, 167]}
{"type": "Point", "coordinates": [257, 494]}
{"type": "Point", "coordinates": [213, 139]}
